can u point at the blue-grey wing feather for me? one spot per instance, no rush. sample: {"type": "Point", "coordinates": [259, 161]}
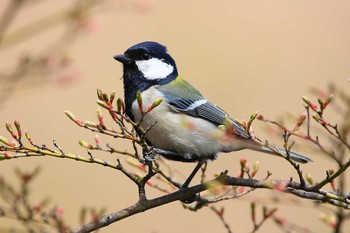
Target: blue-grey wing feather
{"type": "Point", "coordinates": [205, 110]}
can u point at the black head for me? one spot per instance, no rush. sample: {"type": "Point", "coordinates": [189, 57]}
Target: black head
{"type": "Point", "coordinates": [145, 64]}
{"type": "Point", "coordinates": [151, 59]}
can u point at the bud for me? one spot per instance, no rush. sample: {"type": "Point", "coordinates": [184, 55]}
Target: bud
{"type": "Point", "coordinates": [243, 162]}
{"type": "Point", "coordinates": [136, 164]}
{"type": "Point", "coordinates": [329, 99]}
{"type": "Point", "coordinates": [105, 98]}
{"type": "Point", "coordinates": [37, 208]}
{"type": "Point", "coordinates": [97, 140]}
{"type": "Point", "coordinates": [18, 128]}
{"type": "Point", "coordinates": [99, 116]}
{"type": "Point", "coordinates": [99, 94]}
{"type": "Point", "coordinates": [10, 130]}
{"type": "Point", "coordinates": [104, 105]}
{"type": "Point", "coordinates": [309, 103]}
{"type": "Point", "coordinates": [85, 144]}
{"type": "Point", "coordinates": [309, 178]}
{"type": "Point", "coordinates": [301, 120]}
{"type": "Point", "coordinates": [60, 210]}
{"type": "Point", "coordinates": [252, 210]}
{"type": "Point", "coordinates": [6, 142]}
{"type": "Point", "coordinates": [139, 100]}
{"type": "Point", "coordinates": [120, 105]}
{"type": "Point", "coordinates": [330, 219]}
{"type": "Point", "coordinates": [73, 118]}
{"type": "Point", "coordinates": [26, 133]}
{"type": "Point", "coordinates": [111, 97]}
{"type": "Point", "coordinates": [5, 155]}
{"type": "Point", "coordinates": [260, 117]}
{"type": "Point", "coordinates": [155, 104]}
{"type": "Point", "coordinates": [255, 168]}
{"type": "Point", "coordinates": [316, 117]}
{"type": "Point", "coordinates": [229, 129]}
{"type": "Point", "coordinates": [252, 118]}
{"type": "Point", "coordinates": [90, 124]}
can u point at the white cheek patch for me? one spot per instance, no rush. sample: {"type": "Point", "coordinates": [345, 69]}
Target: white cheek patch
{"type": "Point", "coordinates": [154, 68]}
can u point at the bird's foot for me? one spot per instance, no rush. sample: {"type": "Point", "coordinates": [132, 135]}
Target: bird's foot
{"type": "Point", "coordinates": [150, 154]}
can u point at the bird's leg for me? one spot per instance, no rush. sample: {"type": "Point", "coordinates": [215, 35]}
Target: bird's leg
{"type": "Point", "coordinates": [193, 173]}
{"type": "Point", "coordinates": [188, 181]}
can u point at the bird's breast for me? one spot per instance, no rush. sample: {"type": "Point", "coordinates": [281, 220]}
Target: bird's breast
{"type": "Point", "coordinates": [178, 132]}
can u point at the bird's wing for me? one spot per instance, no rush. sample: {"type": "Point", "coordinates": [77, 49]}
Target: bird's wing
{"type": "Point", "coordinates": [195, 105]}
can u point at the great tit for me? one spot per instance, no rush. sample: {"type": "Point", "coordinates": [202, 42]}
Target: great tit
{"type": "Point", "coordinates": [186, 126]}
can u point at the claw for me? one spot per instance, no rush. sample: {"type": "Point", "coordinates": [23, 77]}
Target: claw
{"type": "Point", "coordinates": [150, 155]}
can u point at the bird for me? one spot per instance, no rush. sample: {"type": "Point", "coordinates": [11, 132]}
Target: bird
{"type": "Point", "coordinates": [185, 127]}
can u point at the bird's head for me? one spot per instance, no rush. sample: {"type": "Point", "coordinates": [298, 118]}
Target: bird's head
{"type": "Point", "coordinates": [149, 61]}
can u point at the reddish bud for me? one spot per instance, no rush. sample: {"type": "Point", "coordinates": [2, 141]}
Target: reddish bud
{"type": "Point", "coordinates": [26, 133]}
{"type": "Point", "coordinates": [97, 140]}
{"type": "Point", "coordinates": [18, 128]}
{"type": "Point", "coordinates": [111, 97]}
{"type": "Point", "coordinates": [5, 154]}
{"type": "Point", "coordinates": [99, 116]}
{"type": "Point", "coordinates": [10, 130]}
{"type": "Point", "coordinates": [243, 162]}
{"type": "Point", "coordinates": [241, 189]}
{"type": "Point", "coordinates": [155, 104]}
{"type": "Point", "coordinates": [149, 182]}
{"type": "Point", "coordinates": [323, 122]}
{"type": "Point", "coordinates": [309, 103]}
{"type": "Point", "coordinates": [6, 142]}
{"type": "Point", "coordinates": [99, 94]}
{"type": "Point", "coordinates": [139, 100]}
{"type": "Point", "coordinates": [330, 219]}
{"type": "Point", "coordinates": [301, 120]}
{"type": "Point", "coordinates": [136, 164]}
{"type": "Point", "coordinates": [280, 186]}
{"type": "Point", "coordinates": [37, 208]}
{"type": "Point", "coordinates": [260, 117]}
{"type": "Point", "coordinates": [60, 210]}
{"type": "Point", "coordinates": [73, 118]}
{"type": "Point", "coordinates": [104, 105]}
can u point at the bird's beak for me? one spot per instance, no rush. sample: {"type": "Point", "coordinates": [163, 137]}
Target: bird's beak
{"type": "Point", "coordinates": [122, 58]}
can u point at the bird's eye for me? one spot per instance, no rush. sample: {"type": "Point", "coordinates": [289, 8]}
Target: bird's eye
{"type": "Point", "coordinates": [146, 56]}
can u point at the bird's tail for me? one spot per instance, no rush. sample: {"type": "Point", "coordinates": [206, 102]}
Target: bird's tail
{"type": "Point", "coordinates": [294, 156]}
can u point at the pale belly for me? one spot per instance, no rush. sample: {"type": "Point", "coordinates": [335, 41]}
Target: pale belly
{"type": "Point", "coordinates": [181, 133]}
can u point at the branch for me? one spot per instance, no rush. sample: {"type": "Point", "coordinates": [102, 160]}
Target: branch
{"type": "Point", "coordinates": [295, 188]}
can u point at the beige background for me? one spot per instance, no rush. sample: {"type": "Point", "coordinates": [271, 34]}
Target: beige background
{"type": "Point", "coordinates": [245, 56]}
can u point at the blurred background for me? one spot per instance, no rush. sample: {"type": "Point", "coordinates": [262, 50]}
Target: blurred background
{"type": "Point", "coordinates": [245, 56]}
